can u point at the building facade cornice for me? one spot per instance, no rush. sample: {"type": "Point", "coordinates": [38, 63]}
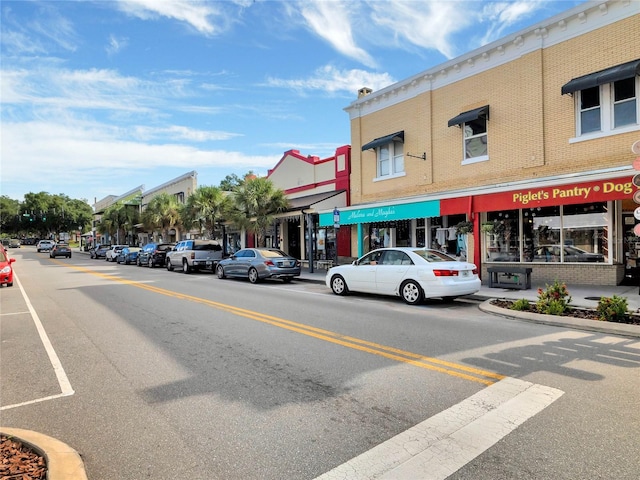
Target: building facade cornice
{"type": "Point", "coordinates": [560, 28]}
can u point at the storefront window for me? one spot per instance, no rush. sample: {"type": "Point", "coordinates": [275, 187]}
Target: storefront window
{"type": "Point", "coordinates": [421, 238]}
{"type": "Point", "coordinates": [585, 233]}
{"type": "Point", "coordinates": [403, 234]}
{"type": "Point", "coordinates": [570, 233]}
{"type": "Point", "coordinates": [502, 238]}
{"type": "Point", "coordinates": [542, 234]}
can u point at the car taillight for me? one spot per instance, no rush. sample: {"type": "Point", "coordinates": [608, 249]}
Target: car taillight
{"type": "Point", "coordinates": [269, 263]}
{"type": "Point", "coordinates": [445, 273]}
{"type": "Point", "coordinates": [475, 271]}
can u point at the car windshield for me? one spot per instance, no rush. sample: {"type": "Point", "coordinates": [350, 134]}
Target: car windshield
{"type": "Point", "coordinates": [434, 256]}
{"type": "Point", "coordinates": [273, 253]}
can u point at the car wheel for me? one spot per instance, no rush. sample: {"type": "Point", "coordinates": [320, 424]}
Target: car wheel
{"type": "Point", "coordinates": [185, 267]}
{"type": "Point", "coordinates": [220, 272]}
{"type": "Point", "coordinates": [338, 285]}
{"type": "Point", "coordinates": [150, 263]}
{"type": "Point", "coordinates": [253, 275]}
{"type": "Point", "coordinates": [411, 292]}
{"type": "Point", "coordinates": [169, 266]}
{"type": "Point", "coordinates": [69, 255]}
{"type": "Point", "coordinates": [10, 284]}
{"type": "Point", "coordinates": [287, 279]}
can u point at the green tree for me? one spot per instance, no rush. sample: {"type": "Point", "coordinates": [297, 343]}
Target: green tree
{"type": "Point", "coordinates": [163, 213]}
{"type": "Point", "coordinates": [232, 181]}
{"type": "Point", "coordinates": [10, 216]}
{"type": "Point", "coordinates": [255, 202]}
{"type": "Point", "coordinates": [206, 208]}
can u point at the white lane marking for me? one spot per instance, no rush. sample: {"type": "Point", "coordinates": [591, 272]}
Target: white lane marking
{"type": "Point", "coordinates": [63, 380]}
{"type": "Point", "coordinates": [444, 443]}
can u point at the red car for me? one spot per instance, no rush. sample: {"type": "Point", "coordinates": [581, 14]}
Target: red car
{"type": "Point", "coordinates": [6, 271]}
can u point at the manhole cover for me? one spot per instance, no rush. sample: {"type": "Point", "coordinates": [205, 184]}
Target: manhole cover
{"type": "Point", "coordinates": [592, 298]}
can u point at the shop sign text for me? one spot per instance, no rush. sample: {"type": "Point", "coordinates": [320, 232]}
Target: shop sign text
{"type": "Point", "coordinates": [579, 193]}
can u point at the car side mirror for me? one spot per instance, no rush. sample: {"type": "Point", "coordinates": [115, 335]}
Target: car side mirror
{"type": "Point", "coordinates": [11, 260]}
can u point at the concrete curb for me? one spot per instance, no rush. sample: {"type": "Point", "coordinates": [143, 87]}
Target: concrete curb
{"type": "Point", "coordinates": [63, 462]}
{"type": "Point", "coordinates": [611, 328]}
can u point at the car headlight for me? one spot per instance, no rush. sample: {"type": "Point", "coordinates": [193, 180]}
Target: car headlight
{"type": "Point", "coordinates": [6, 269]}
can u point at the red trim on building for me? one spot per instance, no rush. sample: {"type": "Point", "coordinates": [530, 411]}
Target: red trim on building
{"type": "Point", "coordinates": [587, 192]}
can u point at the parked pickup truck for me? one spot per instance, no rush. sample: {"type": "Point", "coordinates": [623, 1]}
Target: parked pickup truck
{"type": "Point", "coordinates": [194, 255]}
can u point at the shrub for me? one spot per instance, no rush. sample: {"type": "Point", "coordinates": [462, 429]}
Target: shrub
{"type": "Point", "coordinates": [554, 299]}
{"type": "Point", "coordinates": [613, 309]}
{"type": "Point", "coordinates": [521, 305]}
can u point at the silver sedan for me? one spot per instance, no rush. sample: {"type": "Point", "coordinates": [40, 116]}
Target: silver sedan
{"type": "Point", "coordinates": [259, 263]}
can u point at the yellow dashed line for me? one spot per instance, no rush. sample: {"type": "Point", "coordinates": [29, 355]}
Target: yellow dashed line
{"type": "Point", "coordinates": [461, 371]}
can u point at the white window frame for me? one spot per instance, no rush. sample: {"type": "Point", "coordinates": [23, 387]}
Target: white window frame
{"type": "Point", "coordinates": [395, 160]}
{"type": "Point", "coordinates": [485, 134]}
{"type": "Point", "coordinates": [606, 114]}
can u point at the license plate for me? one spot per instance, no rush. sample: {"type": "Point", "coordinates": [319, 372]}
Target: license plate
{"type": "Point", "coordinates": [209, 263]}
{"type": "Point", "coordinates": [465, 273]}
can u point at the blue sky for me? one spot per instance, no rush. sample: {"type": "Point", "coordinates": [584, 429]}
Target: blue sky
{"type": "Point", "coordinates": [99, 97]}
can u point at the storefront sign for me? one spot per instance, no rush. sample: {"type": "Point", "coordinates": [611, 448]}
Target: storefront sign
{"type": "Point", "coordinates": [600, 191]}
{"type": "Point", "coordinates": [388, 213]}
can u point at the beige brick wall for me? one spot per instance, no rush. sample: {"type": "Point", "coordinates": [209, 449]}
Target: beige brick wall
{"type": "Point", "coordinates": [529, 130]}
{"type": "Point", "coordinates": [576, 274]}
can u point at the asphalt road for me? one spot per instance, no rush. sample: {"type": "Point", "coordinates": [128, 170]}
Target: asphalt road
{"type": "Point", "coordinates": [156, 374]}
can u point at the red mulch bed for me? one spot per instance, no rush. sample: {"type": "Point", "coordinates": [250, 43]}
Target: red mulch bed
{"type": "Point", "coordinates": [19, 462]}
{"type": "Point", "coordinates": [588, 313]}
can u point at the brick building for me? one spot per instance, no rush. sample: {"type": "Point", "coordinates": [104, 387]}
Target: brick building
{"type": "Point", "coordinates": [527, 138]}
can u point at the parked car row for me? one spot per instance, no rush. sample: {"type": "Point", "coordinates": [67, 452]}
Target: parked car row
{"type": "Point", "coordinates": [414, 274]}
{"type": "Point", "coordinates": [188, 256]}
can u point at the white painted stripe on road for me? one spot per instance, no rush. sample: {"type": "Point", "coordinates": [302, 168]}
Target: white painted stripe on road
{"type": "Point", "coordinates": [441, 445]}
{"type": "Point", "coordinates": [63, 380]}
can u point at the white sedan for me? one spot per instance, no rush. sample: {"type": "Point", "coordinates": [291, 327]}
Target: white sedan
{"type": "Point", "coordinates": [411, 273]}
{"type": "Point", "coordinates": [112, 254]}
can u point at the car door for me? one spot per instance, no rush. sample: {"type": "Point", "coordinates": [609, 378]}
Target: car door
{"type": "Point", "coordinates": [233, 266]}
{"type": "Point", "coordinates": [245, 262]}
{"type": "Point", "coordinates": [391, 271]}
{"type": "Point", "coordinates": [362, 276]}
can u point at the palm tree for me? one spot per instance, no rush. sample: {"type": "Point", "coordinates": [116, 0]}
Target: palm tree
{"type": "Point", "coordinates": [120, 217]}
{"type": "Point", "coordinates": [206, 208]}
{"type": "Point", "coordinates": [163, 213]}
{"type": "Point", "coordinates": [255, 201]}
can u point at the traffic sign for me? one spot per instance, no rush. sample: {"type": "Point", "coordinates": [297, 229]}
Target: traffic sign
{"type": "Point", "coordinates": [336, 218]}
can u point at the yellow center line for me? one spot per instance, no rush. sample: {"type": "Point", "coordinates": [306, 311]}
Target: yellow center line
{"type": "Point", "coordinates": [430, 363]}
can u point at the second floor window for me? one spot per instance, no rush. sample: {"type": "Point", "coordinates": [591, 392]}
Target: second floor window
{"type": "Point", "coordinates": [606, 101]}
{"type": "Point", "coordinates": [391, 159]}
{"type": "Point", "coordinates": [607, 107]}
{"type": "Point", "coordinates": [475, 139]}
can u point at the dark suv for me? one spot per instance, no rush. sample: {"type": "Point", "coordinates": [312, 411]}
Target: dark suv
{"type": "Point", "coordinates": [154, 254]}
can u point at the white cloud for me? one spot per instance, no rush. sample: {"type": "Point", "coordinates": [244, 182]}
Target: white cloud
{"type": "Point", "coordinates": [502, 15]}
{"type": "Point", "coordinates": [330, 79]}
{"type": "Point", "coordinates": [116, 44]}
{"type": "Point", "coordinates": [198, 14]}
{"type": "Point", "coordinates": [430, 27]}
{"type": "Point", "coordinates": [70, 154]}
{"type": "Point", "coordinates": [332, 22]}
